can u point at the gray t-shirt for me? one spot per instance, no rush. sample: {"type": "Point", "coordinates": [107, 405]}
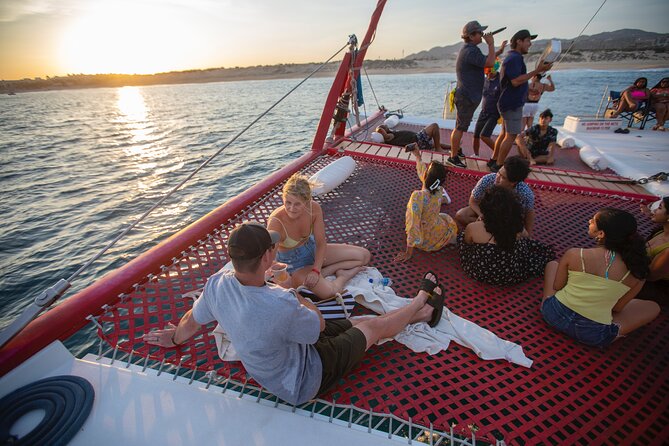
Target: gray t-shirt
{"type": "Point", "coordinates": [272, 332]}
{"type": "Point", "coordinates": [469, 70]}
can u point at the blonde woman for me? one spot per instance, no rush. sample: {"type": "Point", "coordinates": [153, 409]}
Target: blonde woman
{"type": "Point", "coordinates": [303, 245]}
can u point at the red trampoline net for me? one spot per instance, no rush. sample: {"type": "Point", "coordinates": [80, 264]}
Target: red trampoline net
{"type": "Point", "coordinates": [572, 394]}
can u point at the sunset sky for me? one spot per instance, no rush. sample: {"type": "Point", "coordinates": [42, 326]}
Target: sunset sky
{"type": "Point", "coordinates": [40, 38]}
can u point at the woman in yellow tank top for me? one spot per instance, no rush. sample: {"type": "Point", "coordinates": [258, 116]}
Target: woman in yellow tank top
{"type": "Point", "coordinates": [303, 245]}
{"type": "Point", "coordinates": [590, 294]}
{"type": "Point", "coordinates": [657, 247]}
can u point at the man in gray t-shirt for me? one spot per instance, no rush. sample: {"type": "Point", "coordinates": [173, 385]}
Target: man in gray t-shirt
{"type": "Point", "coordinates": [281, 337]}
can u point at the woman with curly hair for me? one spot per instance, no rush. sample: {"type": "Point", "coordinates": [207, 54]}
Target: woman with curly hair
{"type": "Point", "coordinates": [495, 249]}
{"type": "Point", "coordinates": [590, 294]}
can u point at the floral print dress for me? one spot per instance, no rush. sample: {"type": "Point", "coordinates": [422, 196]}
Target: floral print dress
{"type": "Point", "coordinates": [488, 263]}
{"type": "Point", "coordinates": [426, 227]}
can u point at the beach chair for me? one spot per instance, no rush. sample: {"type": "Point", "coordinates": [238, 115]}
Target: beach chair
{"type": "Point", "coordinates": [641, 116]}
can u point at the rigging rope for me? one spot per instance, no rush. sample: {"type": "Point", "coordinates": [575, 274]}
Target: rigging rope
{"type": "Point", "coordinates": [579, 35]}
{"type": "Point", "coordinates": [50, 295]}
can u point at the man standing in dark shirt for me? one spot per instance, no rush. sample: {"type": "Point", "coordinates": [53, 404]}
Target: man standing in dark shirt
{"type": "Point", "coordinates": [469, 70]}
{"type": "Point", "coordinates": [489, 114]}
{"type": "Point", "coordinates": [513, 81]}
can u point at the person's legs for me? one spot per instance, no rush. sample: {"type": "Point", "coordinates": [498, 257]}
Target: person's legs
{"type": "Point", "coordinates": [661, 112]}
{"type": "Point", "coordinates": [523, 150]}
{"type": "Point", "coordinates": [434, 133]}
{"type": "Point", "coordinates": [476, 144]}
{"type": "Point", "coordinates": [456, 137]}
{"type": "Point", "coordinates": [465, 216]}
{"type": "Point", "coordinates": [326, 288]}
{"type": "Point", "coordinates": [626, 103]}
{"type": "Point", "coordinates": [391, 323]}
{"type": "Point", "coordinates": [342, 256]}
{"type": "Point", "coordinates": [512, 123]}
{"type": "Point", "coordinates": [636, 313]}
{"type": "Point", "coordinates": [498, 141]}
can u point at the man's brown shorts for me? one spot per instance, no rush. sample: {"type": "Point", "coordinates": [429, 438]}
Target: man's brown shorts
{"type": "Point", "coordinates": [341, 347]}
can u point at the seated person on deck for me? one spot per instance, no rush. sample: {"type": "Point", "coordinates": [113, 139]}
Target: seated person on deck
{"type": "Point", "coordinates": [659, 101]}
{"type": "Point", "coordinates": [426, 227]}
{"type": "Point", "coordinates": [304, 247]}
{"type": "Point", "coordinates": [590, 294]}
{"type": "Point", "coordinates": [281, 338]}
{"type": "Point", "coordinates": [511, 176]}
{"type": "Point", "coordinates": [657, 248]}
{"type": "Point", "coordinates": [427, 139]}
{"type": "Point", "coordinates": [493, 249]}
{"type": "Point", "coordinates": [539, 142]}
{"type": "Point", "coordinates": [632, 97]}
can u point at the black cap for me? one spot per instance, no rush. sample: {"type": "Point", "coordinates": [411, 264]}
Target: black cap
{"type": "Point", "coordinates": [522, 35]}
{"type": "Point", "coordinates": [250, 240]}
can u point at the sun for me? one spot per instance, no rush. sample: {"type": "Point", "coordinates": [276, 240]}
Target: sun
{"type": "Point", "coordinates": [121, 38]}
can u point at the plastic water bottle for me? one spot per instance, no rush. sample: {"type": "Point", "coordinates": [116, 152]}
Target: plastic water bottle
{"type": "Point", "coordinates": [382, 282]}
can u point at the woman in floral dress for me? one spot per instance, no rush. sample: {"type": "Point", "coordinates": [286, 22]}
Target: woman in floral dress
{"type": "Point", "coordinates": [427, 228]}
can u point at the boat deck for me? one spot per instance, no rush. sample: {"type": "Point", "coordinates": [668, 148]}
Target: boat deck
{"type": "Point", "coordinates": [572, 394]}
{"type": "Point", "coordinates": [568, 168]}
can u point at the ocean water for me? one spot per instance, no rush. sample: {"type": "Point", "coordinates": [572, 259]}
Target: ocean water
{"type": "Point", "coordinates": [78, 166]}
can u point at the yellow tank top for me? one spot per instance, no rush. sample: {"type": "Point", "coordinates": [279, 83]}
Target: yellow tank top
{"type": "Point", "coordinates": [290, 243]}
{"type": "Point", "coordinates": [652, 252]}
{"type": "Point", "coordinates": [590, 295]}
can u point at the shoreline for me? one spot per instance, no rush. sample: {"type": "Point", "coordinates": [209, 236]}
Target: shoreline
{"type": "Point", "coordinates": [276, 72]}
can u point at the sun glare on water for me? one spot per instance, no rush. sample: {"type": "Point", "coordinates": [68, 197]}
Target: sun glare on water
{"type": "Point", "coordinates": [121, 39]}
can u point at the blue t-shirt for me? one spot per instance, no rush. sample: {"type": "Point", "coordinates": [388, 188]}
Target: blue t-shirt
{"type": "Point", "coordinates": [273, 334]}
{"type": "Point", "coordinates": [469, 70]}
{"type": "Point", "coordinates": [512, 97]}
{"type": "Point", "coordinates": [525, 194]}
{"type": "Point", "coordinates": [490, 95]}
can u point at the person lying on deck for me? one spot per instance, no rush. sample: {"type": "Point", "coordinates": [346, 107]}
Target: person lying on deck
{"type": "Point", "coordinates": [590, 294]}
{"type": "Point", "coordinates": [303, 245]}
{"type": "Point", "coordinates": [426, 227]}
{"type": "Point", "coordinates": [429, 138]}
{"type": "Point", "coordinates": [657, 248]}
{"type": "Point", "coordinates": [512, 176]}
{"type": "Point", "coordinates": [539, 142]}
{"type": "Point", "coordinates": [281, 338]}
{"type": "Point", "coordinates": [495, 248]}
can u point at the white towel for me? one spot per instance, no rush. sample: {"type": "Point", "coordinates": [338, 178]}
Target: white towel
{"type": "Point", "coordinates": [421, 337]}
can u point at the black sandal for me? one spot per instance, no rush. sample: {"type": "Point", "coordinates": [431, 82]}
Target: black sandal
{"type": "Point", "coordinates": [428, 285]}
{"type": "Point", "coordinates": [410, 147]}
{"type": "Point", "coordinates": [436, 300]}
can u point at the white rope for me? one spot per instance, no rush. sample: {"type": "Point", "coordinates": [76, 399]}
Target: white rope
{"type": "Point", "coordinates": [579, 35]}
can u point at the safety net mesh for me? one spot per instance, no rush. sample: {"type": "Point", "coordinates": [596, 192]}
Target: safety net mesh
{"type": "Point", "coordinates": [573, 394]}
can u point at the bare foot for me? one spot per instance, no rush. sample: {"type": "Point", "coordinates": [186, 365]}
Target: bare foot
{"type": "Point", "coordinates": [550, 161]}
{"type": "Point", "coordinates": [348, 274]}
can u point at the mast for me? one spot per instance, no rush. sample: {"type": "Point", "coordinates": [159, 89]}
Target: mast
{"type": "Point", "coordinates": [342, 80]}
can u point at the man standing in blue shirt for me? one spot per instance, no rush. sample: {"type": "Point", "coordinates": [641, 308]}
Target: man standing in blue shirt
{"type": "Point", "coordinates": [513, 80]}
{"type": "Point", "coordinates": [469, 70]}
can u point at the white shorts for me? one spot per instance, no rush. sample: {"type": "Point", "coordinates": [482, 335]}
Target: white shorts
{"type": "Point", "coordinates": [530, 109]}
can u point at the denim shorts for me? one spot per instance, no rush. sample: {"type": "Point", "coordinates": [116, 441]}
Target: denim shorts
{"type": "Point", "coordinates": [298, 258]}
{"type": "Point", "coordinates": [578, 327]}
